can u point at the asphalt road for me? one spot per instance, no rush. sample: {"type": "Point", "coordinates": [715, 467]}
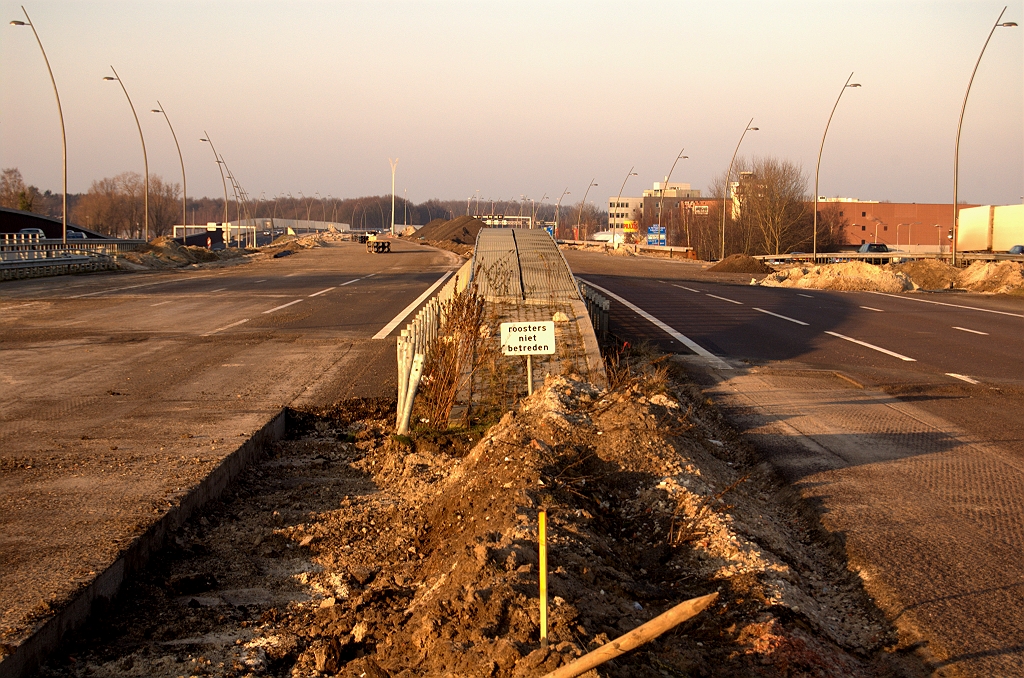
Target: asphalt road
{"type": "Point", "coordinates": [897, 416]}
{"type": "Point", "coordinates": [121, 391]}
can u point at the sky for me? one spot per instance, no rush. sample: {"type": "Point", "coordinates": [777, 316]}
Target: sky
{"type": "Point", "coordinates": [511, 98]}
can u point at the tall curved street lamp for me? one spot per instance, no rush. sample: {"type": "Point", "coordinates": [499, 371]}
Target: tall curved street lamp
{"type": "Point", "coordinates": [959, 125]}
{"type": "Point", "coordinates": [817, 168]}
{"type": "Point", "coordinates": [621, 188]}
{"type": "Point", "coordinates": [145, 159]}
{"type": "Point", "coordinates": [583, 204]}
{"type": "Point", "coordinates": [558, 208]}
{"type": "Point", "coordinates": [661, 199]}
{"type": "Point", "coordinates": [63, 135]}
{"type": "Point", "coordinates": [394, 167]}
{"type": "Point", "coordinates": [216, 158]}
{"type": "Point", "coordinates": [728, 176]}
{"type": "Point", "coordinates": [184, 187]}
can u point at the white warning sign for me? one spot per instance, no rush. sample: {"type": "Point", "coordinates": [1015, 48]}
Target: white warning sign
{"type": "Point", "coordinates": [528, 338]}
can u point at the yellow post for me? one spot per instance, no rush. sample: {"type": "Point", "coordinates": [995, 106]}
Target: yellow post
{"type": "Point", "coordinates": [543, 542]}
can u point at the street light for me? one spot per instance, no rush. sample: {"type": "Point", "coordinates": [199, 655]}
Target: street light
{"type": "Point", "coordinates": [728, 175]}
{"type": "Point", "coordinates": [63, 136]}
{"type": "Point", "coordinates": [394, 166]}
{"type": "Point", "coordinates": [558, 208]}
{"type": "Point", "coordinates": [814, 250]}
{"type": "Point", "coordinates": [533, 209]}
{"type": "Point", "coordinates": [956, 153]}
{"type": "Point", "coordinates": [184, 188]}
{"type": "Point", "coordinates": [621, 188]}
{"type": "Point", "coordinates": [661, 200]}
{"type": "Point", "coordinates": [145, 160]}
{"type": "Point", "coordinates": [582, 205]}
{"type": "Point", "coordinates": [216, 158]}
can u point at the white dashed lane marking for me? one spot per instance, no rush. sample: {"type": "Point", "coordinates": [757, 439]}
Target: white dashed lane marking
{"type": "Point", "coordinates": [804, 295]}
{"type": "Point", "coordinates": [869, 308]}
{"type": "Point", "coordinates": [731, 301]}
{"type": "Point", "coordinates": [964, 329]}
{"type": "Point", "coordinates": [873, 347]}
{"type": "Point", "coordinates": [317, 294]}
{"type": "Point", "coordinates": [278, 308]}
{"type": "Point", "coordinates": [226, 327]}
{"type": "Point", "coordinates": [792, 320]}
{"type": "Point", "coordinates": [962, 377]}
{"type": "Point", "coordinates": [688, 289]}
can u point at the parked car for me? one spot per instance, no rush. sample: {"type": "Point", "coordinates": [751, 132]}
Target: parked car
{"type": "Point", "coordinates": [872, 247]}
{"type": "Point", "coordinates": [76, 235]}
{"type": "Point", "coordinates": [33, 231]}
{"type": "Point", "coordinates": [1016, 249]}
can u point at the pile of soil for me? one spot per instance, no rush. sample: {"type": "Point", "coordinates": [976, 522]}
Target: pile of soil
{"type": "Point", "coordinates": [741, 263]}
{"type": "Point", "coordinates": [1003, 277]}
{"type": "Point", "coordinates": [461, 230]}
{"type": "Point", "coordinates": [352, 552]}
{"type": "Point", "coordinates": [849, 276]}
{"type": "Point", "coordinates": [928, 274]}
{"type": "Point", "coordinates": [165, 252]}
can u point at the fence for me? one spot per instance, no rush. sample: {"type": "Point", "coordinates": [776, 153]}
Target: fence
{"type": "Point", "coordinates": [597, 308]}
{"type": "Point", "coordinates": [892, 256]}
{"type": "Point", "coordinates": [415, 340]}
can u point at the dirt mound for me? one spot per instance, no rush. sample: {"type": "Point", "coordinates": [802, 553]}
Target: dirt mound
{"type": "Point", "coordinates": [850, 276]}
{"type": "Point", "coordinates": [993, 277]}
{"type": "Point", "coordinates": [741, 263]}
{"type": "Point", "coordinates": [928, 274]}
{"type": "Point", "coordinates": [351, 552]}
{"type": "Point", "coordinates": [461, 230]}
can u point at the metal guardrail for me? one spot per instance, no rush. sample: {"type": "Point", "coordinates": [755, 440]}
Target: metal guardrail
{"type": "Point", "coordinates": [885, 257]}
{"type": "Point", "coordinates": [21, 247]}
{"type": "Point", "coordinates": [598, 308]}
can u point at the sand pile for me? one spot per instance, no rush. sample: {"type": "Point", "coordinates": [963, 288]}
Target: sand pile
{"type": "Point", "coordinates": [992, 277]}
{"type": "Point", "coordinates": [741, 263]}
{"type": "Point", "coordinates": [850, 276]}
{"type": "Point", "coordinates": [928, 274]}
{"type": "Point", "coordinates": [461, 230]}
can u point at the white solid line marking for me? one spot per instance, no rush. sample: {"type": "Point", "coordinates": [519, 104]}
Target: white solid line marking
{"type": "Point", "coordinates": [731, 301]}
{"type": "Point", "coordinates": [161, 303]}
{"type": "Point", "coordinates": [873, 347]}
{"type": "Point", "coordinates": [964, 329]}
{"type": "Point", "coordinates": [713, 359]}
{"type": "Point", "coordinates": [962, 377]}
{"type": "Point", "coordinates": [349, 282]}
{"type": "Point", "coordinates": [386, 330]}
{"type": "Point", "coordinates": [942, 303]}
{"type": "Point", "coordinates": [226, 327]}
{"type": "Point", "coordinates": [688, 289]}
{"type": "Point", "coordinates": [317, 294]}
{"type": "Point", "coordinates": [221, 289]}
{"type": "Point", "coordinates": [792, 320]}
{"type": "Point", "coordinates": [371, 275]}
{"type": "Point", "coordinates": [278, 308]}
{"type": "Point", "coordinates": [804, 295]}
{"type": "Point", "coordinates": [868, 308]}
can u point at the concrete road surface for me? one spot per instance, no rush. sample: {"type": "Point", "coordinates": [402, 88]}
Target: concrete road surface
{"type": "Point", "coordinates": [121, 391]}
{"type": "Point", "coordinates": [899, 416]}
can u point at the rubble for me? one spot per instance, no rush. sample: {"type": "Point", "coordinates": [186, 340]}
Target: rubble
{"type": "Point", "coordinates": [849, 276]}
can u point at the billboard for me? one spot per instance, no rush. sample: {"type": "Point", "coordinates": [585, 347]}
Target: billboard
{"type": "Point", "coordinates": [656, 235]}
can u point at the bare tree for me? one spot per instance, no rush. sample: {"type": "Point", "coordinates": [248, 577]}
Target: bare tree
{"type": "Point", "coordinates": [775, 199]}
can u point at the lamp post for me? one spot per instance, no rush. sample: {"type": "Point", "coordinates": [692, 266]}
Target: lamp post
{"type": "Point", "coordinates": [583, 204]}
{"type": "Point", "coordinates": [909, 227]}
{"type": "Point", "coordinates": [216, 158]}
{"type": "Point", "coordinates": [145, 160]}
{"type": "Point", "coordinates": [533, 209]}
{"type": "Point", "coordinates": [558, 208]}
{"type": "Point", "coordinates": [63, 135]}
{"type": "Point", "coordinates": [621, 188]}
{"type": "Point", "coordinates": [184, 188]}
{"type": "Point", "coordinates": [956, 152]}
{"type": "Point", "coordinates": [394, 166]}
{"type": "Point", "coordinates": [817, 168]}
{"type": "Point", "coordinates": [661, 200]}
{"type": "Point", "coordinates": [728, 175]}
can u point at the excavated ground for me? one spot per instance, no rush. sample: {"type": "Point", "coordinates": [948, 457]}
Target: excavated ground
{"type": "Point", "coordinates": [348, 551]}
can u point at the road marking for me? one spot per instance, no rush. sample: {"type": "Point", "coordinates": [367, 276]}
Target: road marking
{"type": "Point", "coordinates": [942, 303]}
{"type": "Point", "coordinates": [962, 377]}
{"type": "Point", "coordinates": [873, 347]}
{"type": "Point", "coordinates": [688, 289]}
{"type": "Point", "coordinates": [792, 320]}
{"type": "Point", "coordinates": [161, 303]}
{"type": "Point", "coordinates": [712, 359]}
{"type": "Point", "coordinates": [876, 310]}
{"type": "Point", "coordinates": [386, 330]}
{"type": "Point", "coordinates": [118, 289]}
{"type": "Point", "coordinates": [964, 329]}
{"type": "Point", "coordinates": [731, 301]}
{"type": "Point", "coordinates": [259, 281]}
{"type": "Point", "coordinates": [226, 327]}
{"type": "Point", "coordinates": [349, 282]}
{"type": "Point", "coordinates": [221, 289]}
{"type": "Point", "coordinates": [317, 294]}
{"type": "Point", "coordinates": [804, 295]}
{"type": "Point", "coordinates": [291, 274]}
{"type": "Point", "coordinates": [278, 308]}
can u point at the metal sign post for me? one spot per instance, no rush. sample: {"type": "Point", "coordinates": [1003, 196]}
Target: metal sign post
{"type": "Point", "coordinates": [529, 339]}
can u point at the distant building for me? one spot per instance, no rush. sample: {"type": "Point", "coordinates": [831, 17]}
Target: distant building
{"type": "Point", "coordinates": [623, 212]}
{"type": "Point", "coordinates": [920, 226]}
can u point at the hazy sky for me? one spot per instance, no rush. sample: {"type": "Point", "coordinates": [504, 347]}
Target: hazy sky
{"type": "Point", "coordinates": [517, 97]}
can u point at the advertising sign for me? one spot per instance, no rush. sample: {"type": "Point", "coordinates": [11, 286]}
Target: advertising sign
{"type": "Point", "coordinates": [535, 337]}
{"type": "Point", "coordinates": [656, 235]}
{"type": "Point", "coordinates": [629, 226]}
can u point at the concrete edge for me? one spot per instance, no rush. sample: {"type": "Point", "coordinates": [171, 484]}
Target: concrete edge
{"type": "Point", "coordinates": [595, 363]}
{"type": "Point", "coordinates": [29, 654]}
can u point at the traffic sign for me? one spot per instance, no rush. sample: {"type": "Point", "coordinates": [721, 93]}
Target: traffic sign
{"type": "Point", "coordinates": [528, 338]}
